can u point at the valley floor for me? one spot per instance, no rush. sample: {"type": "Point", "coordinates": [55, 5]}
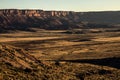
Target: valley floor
{"type": "Point", "coordinates": [89, 55]}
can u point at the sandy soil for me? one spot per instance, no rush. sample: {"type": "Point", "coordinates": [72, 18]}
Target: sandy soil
{"type": "Point", "coordinates": [26, 39]}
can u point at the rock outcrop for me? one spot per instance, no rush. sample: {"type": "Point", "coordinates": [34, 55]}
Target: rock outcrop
{"type": "Point", "coordinates": [40, 13]}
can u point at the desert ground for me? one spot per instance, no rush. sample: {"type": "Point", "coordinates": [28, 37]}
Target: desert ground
{"type": "Point", "coordinates": [55, 44]}
{"type": "Point", "coordinates": [80, 54]}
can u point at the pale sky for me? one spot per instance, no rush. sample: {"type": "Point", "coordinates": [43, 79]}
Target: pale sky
{"type": "Point", "coordinates": [66, 5]}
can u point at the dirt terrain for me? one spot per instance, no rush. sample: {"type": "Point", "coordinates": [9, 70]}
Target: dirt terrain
{"type": "Point", "coordinates": [54, 44]}
{"type": "Point", "coordinates": [93, 54]}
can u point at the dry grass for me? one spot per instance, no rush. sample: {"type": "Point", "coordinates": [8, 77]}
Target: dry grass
{"type": "Point", "coordinates": [26, 39]}
{"type": "Point", "coordinates": [48, 45]}
{"type": "Point", "coordinates": [111, 39]}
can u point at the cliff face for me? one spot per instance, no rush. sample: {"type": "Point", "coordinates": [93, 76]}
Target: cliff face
{"type": "Point", "coordinates": [38, 13]}
{"type": "Point", "coordinates": [13, 19]}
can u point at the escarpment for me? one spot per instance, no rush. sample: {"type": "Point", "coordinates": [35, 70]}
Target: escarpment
{"type": "Point", "coordinates": [40, 13]}
{"type": "Point", "coordinates": [15, 19]}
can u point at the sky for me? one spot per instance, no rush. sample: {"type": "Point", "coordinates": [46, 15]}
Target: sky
{"type": "Point", "coordinates": [65, 5]}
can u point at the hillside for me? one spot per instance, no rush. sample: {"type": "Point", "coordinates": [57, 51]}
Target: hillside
{"type": "Point", "coordinates": [103, 17]}
{"type": "Point", "coordinates": [18, 64]}
{"type": "Point", "coordinates": [14, 19]}
{"type": "Point", "coordinates": [16, 61]}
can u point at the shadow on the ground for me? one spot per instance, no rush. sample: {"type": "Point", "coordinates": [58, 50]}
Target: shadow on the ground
{"type": "Point", "coordinates": [111, 62]}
